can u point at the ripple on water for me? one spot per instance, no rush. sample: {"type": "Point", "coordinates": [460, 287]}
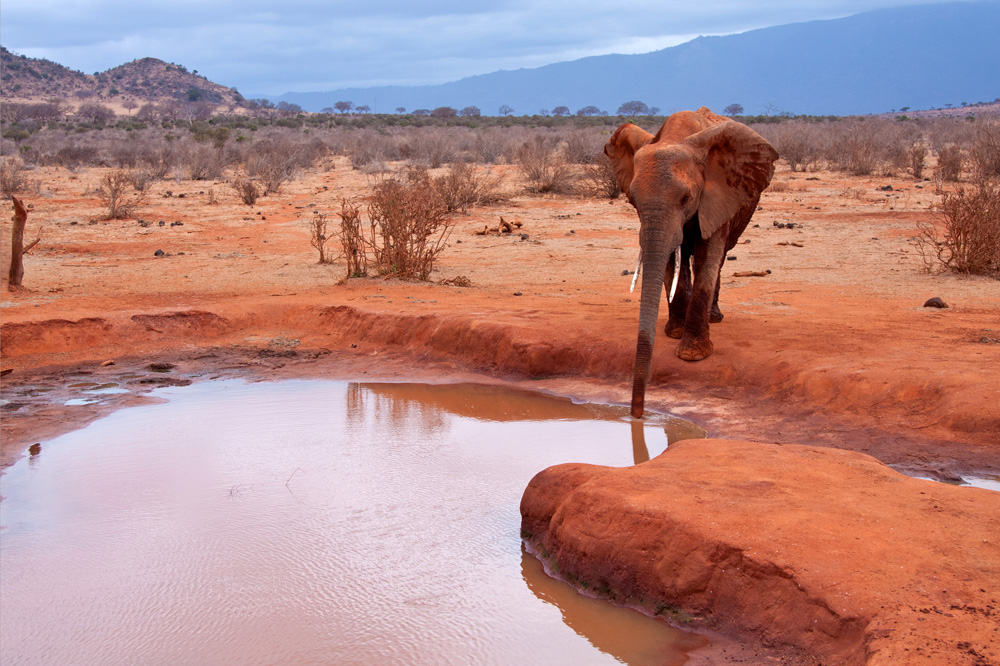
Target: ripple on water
{"type": "Point", "coordinates": [311, 522]}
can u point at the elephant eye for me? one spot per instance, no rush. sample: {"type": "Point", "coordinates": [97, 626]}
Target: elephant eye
{"type": "Point", "coordinates": [685, 200]}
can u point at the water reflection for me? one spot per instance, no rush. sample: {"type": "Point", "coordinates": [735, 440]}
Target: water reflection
{"type": "Point", "coordinates": [305, 522]}
{"type": "Point", "coordinates": [626, 634]}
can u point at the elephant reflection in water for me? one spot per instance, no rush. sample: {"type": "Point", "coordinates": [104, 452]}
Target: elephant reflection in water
{"type": "Point", "coordinates": [695, 184]}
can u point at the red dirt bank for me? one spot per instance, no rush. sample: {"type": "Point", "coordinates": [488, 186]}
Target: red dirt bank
{"type": "Point", "coordinates": [827, 550]}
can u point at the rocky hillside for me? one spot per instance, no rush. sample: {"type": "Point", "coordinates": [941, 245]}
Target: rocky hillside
{"type": "Point", "coordinates": [143, 80]}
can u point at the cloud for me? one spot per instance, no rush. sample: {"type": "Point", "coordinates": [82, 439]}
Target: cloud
{"type": "Point", "coordinates": [310, 45]}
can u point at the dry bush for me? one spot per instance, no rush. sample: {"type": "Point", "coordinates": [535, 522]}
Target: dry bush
{"type": "Point", "coordinates": [543, 168]}
{"type": "Point", "coordinates": [779, 186]}
{"type": "Point", "coordinates": [141, 179]}
{"type": "Point", "coordinates": [801, 144]}
{"type": "Point", "coordinates": [276, 160]}
{"type": "Point", "coordinates": [968, 238]}
{"type": "Point", "coordinates": [368, 147]}
{"type": "Point", "coordinates": [490, 146]}
{"type": "Point", "coordinates": [431, 146]}
{"type": "Point", "coordinates": [870, 147]}
{"type": "Point", "coordinates": [318, 235]}
{"type": "Point", "coordinates": [203, 162]}
{"type": "Point", "coordinates": [12, 176]}
{"type": "Point", "coordinates": [985, 151]}
{"type": "Point", "coordinates": [114, 194]}
{"type": "Point", "coordinates": [467, 185]}
{"type": "Point", "coordinates": [583, 146]}
{"type": "Point", "coordinates": [409, 226]}
{"type": "Point", "coordinates": [917, 153]}
{"type": "Point", "coordinates": [352, 239]}
{"type": "Point", "coordinates": [246, 190]}
{"type": "Point", "coordinates": [949, 163]}
{"type": "Point", "coordinates": [599, 176]}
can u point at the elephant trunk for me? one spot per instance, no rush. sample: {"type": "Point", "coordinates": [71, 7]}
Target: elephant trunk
{"type": "Point", "coordinates": [655, 254]}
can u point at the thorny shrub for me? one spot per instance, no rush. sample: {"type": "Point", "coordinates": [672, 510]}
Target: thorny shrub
{"type": "Point", "coordinates": [318, 236]}
{"type": "Point", "coordinates": [246, 190]}
{"type": "Point", "coordinates": [12, 176]}
{"type": "Point", "coordinates": [467, 185]}
{"type": "Point", "coordinates": [543, 168]}
{"type": "Point", "coordinates": [114, 194]}
{"type": "Point", "coordinates": [949, 163]}
{"type": "Point", "coordinates": [409, 226]}
{"type": "Point", "coordinates": [352, 239]}
{"type": "Point", "coordinates": [967, 237]}
{"type": "Point", "coordinates": [600, 177]}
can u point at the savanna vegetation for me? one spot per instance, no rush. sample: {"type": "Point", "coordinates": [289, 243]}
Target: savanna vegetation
{"type": "Point", "coordinates": [549, 154]}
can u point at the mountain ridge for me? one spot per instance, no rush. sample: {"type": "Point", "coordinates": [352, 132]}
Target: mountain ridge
{"type": "Point", "coordinates": [865, 63]}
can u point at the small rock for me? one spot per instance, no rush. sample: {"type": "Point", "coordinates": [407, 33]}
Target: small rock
{"type": "Point", "coordinates": [161, 367]}
{"type": "Point", "coordinates": [935, 302]}
{"type": "Point", "coordinates": [885, 188]}
{"type": "Point", "coordinates": [626, 272]}
{"type": "Point", "coordinates": [177, 224]}
{"type": "Point", "coordinates": [731, 257]}
{"type": "Point", "coordinates": [107, 363]}
{"type": "Point", "coordinates": [180, 196]}
{"type": "Point", "coordinates": [162, 223]}
{"type": "Point", "coordinates": [524, 236]}
{"type": "Point", "coordinates": [159, 253]}
{"type": "Point", "coordinates": [517, 293]}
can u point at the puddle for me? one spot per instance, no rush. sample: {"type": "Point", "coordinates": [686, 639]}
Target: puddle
{"type": "Point", "coordinates": [311, 522]}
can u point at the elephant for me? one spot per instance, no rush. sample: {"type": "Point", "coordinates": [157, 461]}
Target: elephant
{"type": "Point", "coordinates": [695, 185]}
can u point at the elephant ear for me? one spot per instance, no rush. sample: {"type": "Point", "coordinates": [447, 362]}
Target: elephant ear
{"type": "Point", "coordinates": [621, 149]}
{"type": "Point", "coordinates": [739, 164]}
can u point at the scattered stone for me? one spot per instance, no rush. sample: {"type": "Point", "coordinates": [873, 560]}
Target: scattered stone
{"type": "Point", "coordinates": [517, 293]}
{"type": "Point", "coordinates": [107, 363]}
{"type": "Point", "coordinates": [626, 272]}
{"type": "Point", "coordinates": [162, 223]}
{"type": "Point", "coordinates": [161, 367]}
{"type": "Point", "coordinates": [812, 178]}
{"type": "Point", "coordinates": [177, 224]}
{"type": "Point", "coordinates": [180, 196]}
{"type": "Point", "coordinates": [731, 257]}
{"type": "Point", "coordinates": [35, 449]}
{"type": "Point", "coordinates": [458, 281]}
{"type": "Point", "coordinates": [885, 188]}
{"type": "Point", "coordinates": [159, 253]}
{"type": "Point", "coordinates": [145, 223]}
{"type": "Point", "coordinates": [752, 273]}
{"type": "Point", "coordinates": [935, 302]}
{"type": "Point", "coordinates": [524, 237]}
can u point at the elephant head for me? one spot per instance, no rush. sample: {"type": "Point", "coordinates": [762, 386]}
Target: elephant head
{"type": "Point", "coordinates": [706, 177]}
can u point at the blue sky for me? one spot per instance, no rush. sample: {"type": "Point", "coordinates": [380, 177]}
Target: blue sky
{"type": "Point", "coordinates": [310, 45]}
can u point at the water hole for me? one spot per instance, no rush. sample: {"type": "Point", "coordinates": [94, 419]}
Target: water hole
{"type": "Point", "coordinates": [311, 522]}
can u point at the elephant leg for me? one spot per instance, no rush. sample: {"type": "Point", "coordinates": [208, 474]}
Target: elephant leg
{"type": "Point", "coordinates": [682, 297]}
{"type": "Point", "coordinates": [715, 316]}
{"type": "Point", "coordinates": [695, 342]}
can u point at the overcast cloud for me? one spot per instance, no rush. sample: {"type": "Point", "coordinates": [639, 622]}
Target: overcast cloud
{"type": "Point", "coordinates": [310, 45]}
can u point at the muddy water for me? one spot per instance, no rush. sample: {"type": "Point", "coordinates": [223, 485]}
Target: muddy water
{"type": "Point", "coordinates": [310, 522]}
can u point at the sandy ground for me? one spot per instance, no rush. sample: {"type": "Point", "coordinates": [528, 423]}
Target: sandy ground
{"type": "Point", "coordinates": [832, 348]}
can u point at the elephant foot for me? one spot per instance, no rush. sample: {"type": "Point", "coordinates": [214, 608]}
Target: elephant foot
{"type": "Point", "coordinates": [674, 329]}
{"type": "Point", "coordinates": [694, 350]}
{"type": "Point", "coordinates": [715, 316]}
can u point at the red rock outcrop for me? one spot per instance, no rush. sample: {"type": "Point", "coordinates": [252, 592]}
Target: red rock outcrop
{"type": "Point", "coordinates": [824, 550]}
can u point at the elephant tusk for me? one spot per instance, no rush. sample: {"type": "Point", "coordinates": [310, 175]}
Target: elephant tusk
{"type": "Point", "coordinates": [638, 269]}
{"type": "Point", "coordinates": [677, 274]}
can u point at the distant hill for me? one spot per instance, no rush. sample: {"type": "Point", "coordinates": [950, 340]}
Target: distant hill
{"type": "Point", "coordinates": [920, 56]}
{"type": "Point", "coordinates": [143, 80]}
